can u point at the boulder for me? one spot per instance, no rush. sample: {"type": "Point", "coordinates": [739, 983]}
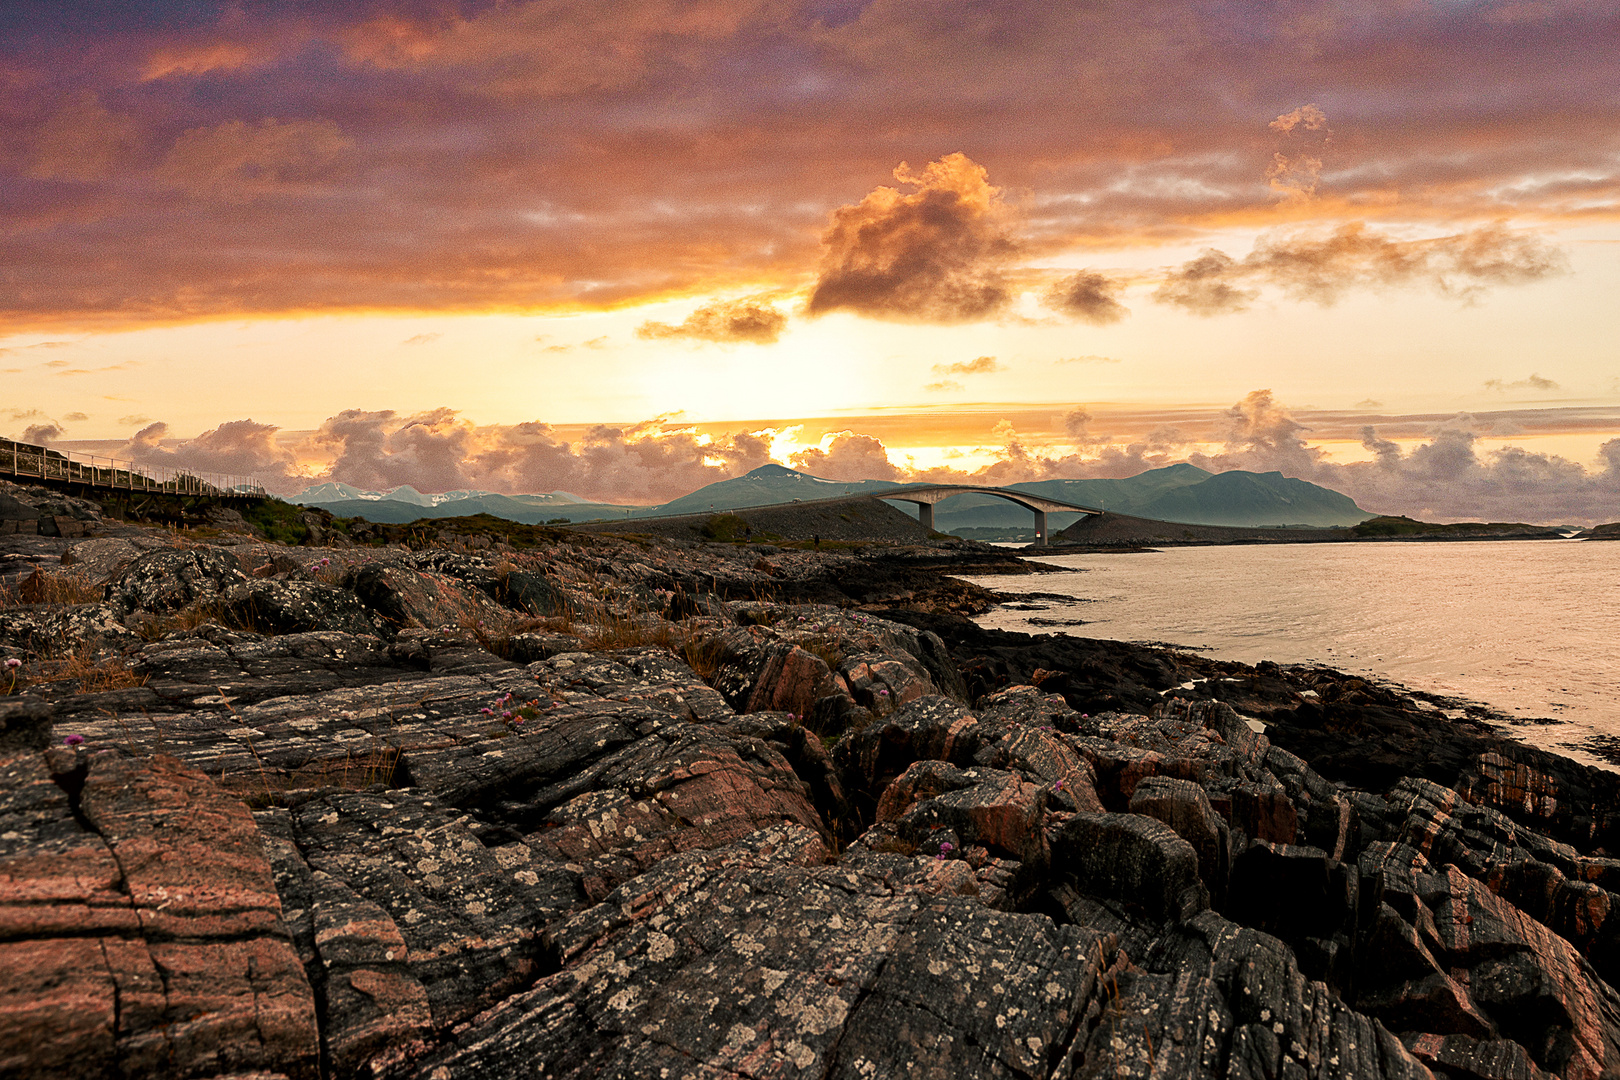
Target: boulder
{"type": "Point", "coordinates": [227, 520]}
{"type": "Point", "coordinates": [163, 582]}
{"type": "Point", "coordinates": [1447, 956]}
{"type": "Point", "coordinates": [996, 810]}
{"type": "Point", "coordinates": [1303, 896]}
{"type": "Point", "coordinates": [881, 684]}
{"type": "Point", "coordinates": [1212, 993]}
{"type": "Point", "coordinates": [99, 559]}
{"type": "Point", "coordinates": [878, 753]}
{"type": "Point", "coordinates": [65, 629]}
{"type": "Point", "coordinates": [534, 594]}
{"type": "Point", "coordinates": [1472, 1059]}
{"type": "Point", "coordinates": [792, 681]}
{"type": "Point", "coordinates": [401, 597]}
{"type": "Point", "coordinates": [1184, 806]}
{"type": "Point", "coordinates": [25, 723]}
{"type": "Point", "coordinates": [290, 607]}
{"type": "Point", "coordinates": [1132, 860]}
{"type": "Point", "coordinates": [14, 509]}
{"type": "Point", "coordinates": [684, 788]}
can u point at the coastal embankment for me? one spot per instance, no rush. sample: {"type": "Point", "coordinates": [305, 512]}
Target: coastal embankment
{"type": "Point", "coordinates": [859, 519]}
{"type": "Point", "coordinates": [1121, 531]}
{"type": "Point", "coordinates": [635, 805]}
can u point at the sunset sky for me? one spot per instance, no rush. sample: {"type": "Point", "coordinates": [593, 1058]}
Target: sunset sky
{"type": "Point", "coordinates": [624, 249]}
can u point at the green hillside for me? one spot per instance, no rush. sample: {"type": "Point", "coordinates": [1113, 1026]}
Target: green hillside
{"type": "Point", "coordinates": [764, 486]}
{"type": "Point", "coordinates": [1245, 498]}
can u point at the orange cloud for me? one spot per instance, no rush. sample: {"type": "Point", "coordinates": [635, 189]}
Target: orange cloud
{"type": "Point", "coordinates": [81, 140]}
{"type": "Point", "coordinates": [1088, 296]}
{"type": "Point", "coordinates": [848, 456]}
{"type": "Point", "coordinates": [197, 59]}
{"type": "Point", "coordinates": [1295, 175]}
{"type": "Point", "coordinates": [982, 365]}
{"type": "Point", "coordinates": [1443, 474]}
{"type": "Point", "coordinates": [1322, 267]}
{"type": "Point", "coordinates": [236, 155]}
{"type": "Point", "coordinates": [539, 155]}
{"type": "Point", "coordinates": [937, 254]}
{"type": "Point", "coordinates": [724, 322]}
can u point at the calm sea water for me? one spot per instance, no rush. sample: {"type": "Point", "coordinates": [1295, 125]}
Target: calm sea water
{"type": "Point", "coordinates": [1530, 628]}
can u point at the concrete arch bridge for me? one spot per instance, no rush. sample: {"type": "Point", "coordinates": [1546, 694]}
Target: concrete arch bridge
{"type": "Point", "coordinates": [926, 497]}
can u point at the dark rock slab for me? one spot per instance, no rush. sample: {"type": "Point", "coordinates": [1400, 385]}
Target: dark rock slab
{"type": "Point", "coordinates": [1447, 956]}
{"type": "Point", "coordinates": [410, 919]}
{"type": "Point", "coordinates": [402, 596]}
{"type": "Point", "coordinates": [989, 808]}
{"type": "Point", "coordinates": [755, 960]}
{"type": "Point", "coordinates": [1243, 992]}
{"type": "Point", "coordinates": [938, 729]}
{"type": "Point", "coordinates": [1185, 807]}
{"type": "Point", "coordinates": [676, 787]}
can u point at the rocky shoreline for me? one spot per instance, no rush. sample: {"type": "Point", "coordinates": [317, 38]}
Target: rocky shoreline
{"type": "Point", "coordinates": [631, 806]}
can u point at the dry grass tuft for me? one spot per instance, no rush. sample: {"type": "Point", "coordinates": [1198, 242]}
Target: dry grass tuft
{"type": "Point", "coordinates": [496, 630]}
{"type": "Point", "coordinates": [828, 649]}
{"type": "Point", "coordinates": [615, 631]}
{"type": "Point", "coordinates": [157, 627]}
{"type": "Point", "coordinates": [45, 587]}
{"type": "Point", "coordinates": [355, 771]}
{"type": "Point", "coordinates": [176, 537]}
{"type": "Point", "coordinates": [81, 668]}
{"type": "Point", "coordinates": [704, 655]}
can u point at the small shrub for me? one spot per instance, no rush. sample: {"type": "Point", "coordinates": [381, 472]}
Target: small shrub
{"type": "Point", "coordinates": [494, 632]}
{"type": "Point", "coordinates": [514, 713]}
{"type": "Point", "coordinates": [724, 527]}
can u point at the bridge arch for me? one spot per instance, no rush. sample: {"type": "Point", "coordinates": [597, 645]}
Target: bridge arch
{"type": "Point", "coordinates": [926, 497]}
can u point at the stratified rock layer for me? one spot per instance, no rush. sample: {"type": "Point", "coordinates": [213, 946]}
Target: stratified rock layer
{"type": "Point", "coordinates": [609, 810]}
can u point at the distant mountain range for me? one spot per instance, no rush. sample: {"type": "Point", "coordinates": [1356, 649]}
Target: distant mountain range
{"type": "Point", "coordinates": [1179, 493]}
{"type": "Point", "coordinates": [406, 504]}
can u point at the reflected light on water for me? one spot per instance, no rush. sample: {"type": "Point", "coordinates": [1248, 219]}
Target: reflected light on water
{"type": "Point", "coordinates": [1528, 627]}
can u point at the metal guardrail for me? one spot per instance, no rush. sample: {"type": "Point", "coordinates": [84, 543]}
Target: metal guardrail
{"type": "Point", "coordinates": [92, 470]}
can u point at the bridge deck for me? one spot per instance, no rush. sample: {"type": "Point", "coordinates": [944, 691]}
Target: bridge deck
{"type": "Point", "coordinates": [935, 493]}
{"type": "Point", "coordinates": [1039, 505]}
{"type": "Point", "coordinates": [27, 461]}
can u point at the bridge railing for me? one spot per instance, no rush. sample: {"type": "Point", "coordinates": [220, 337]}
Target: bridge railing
{"type": "Point", "coordinates": [93, 470]}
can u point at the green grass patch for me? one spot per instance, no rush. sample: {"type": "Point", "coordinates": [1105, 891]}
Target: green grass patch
{"type": "Point", "coordinates": [277, 520]}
